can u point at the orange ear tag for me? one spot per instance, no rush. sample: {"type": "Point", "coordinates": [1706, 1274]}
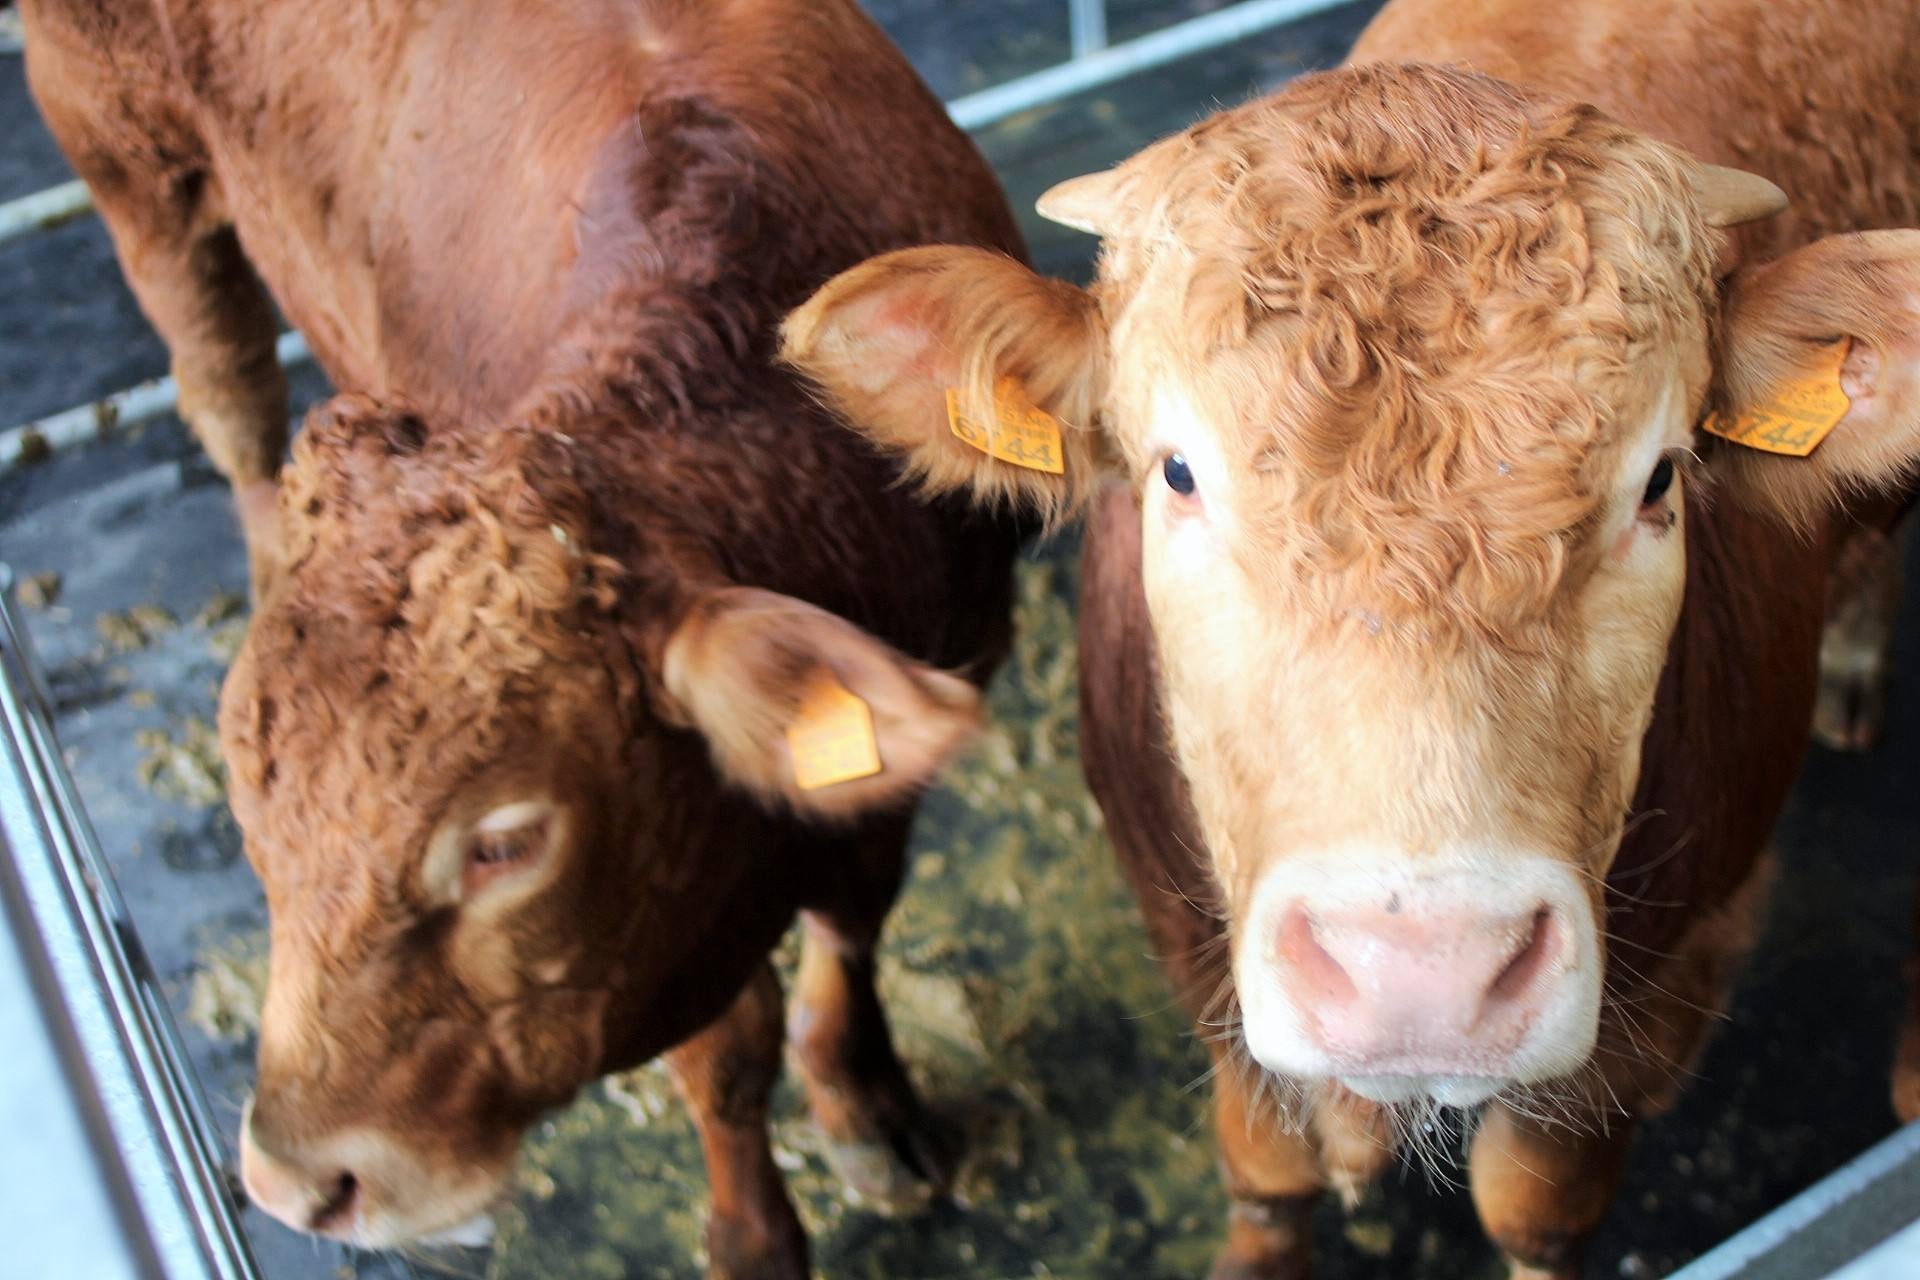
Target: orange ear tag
{"type": "Point", "coordinates": [831, 736]}
{"type": "Point", "coordinates": [1795, 417]}
{"type": "Point", "coordinates": [1023, 434]}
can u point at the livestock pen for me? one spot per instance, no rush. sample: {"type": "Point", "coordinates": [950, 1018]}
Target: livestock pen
{"type": "Point", "coordinates": [1022, 988]}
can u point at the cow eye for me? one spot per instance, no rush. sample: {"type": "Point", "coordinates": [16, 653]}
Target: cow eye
{"type": "Point", "coordinates": [1658, 483]}
{"type": "Point", "coordinates": [1178, 474]}
{"type": "Point", "coordinates": [495, 851]}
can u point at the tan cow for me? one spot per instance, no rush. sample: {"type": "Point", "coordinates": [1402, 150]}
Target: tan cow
{"type": "Point", "coordinates": [592, 650]}
{"type": "Point", "coordinates": [1441, 676]}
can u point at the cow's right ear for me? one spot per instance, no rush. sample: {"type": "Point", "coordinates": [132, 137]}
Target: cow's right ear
{"type": "Point", "coordinates": [921, 349]}
{"type": "Point", "coordinates": [805, 709]}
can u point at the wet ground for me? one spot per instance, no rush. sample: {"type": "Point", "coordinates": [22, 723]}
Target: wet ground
{"type": "Point", "coordinates": [1016, 971]}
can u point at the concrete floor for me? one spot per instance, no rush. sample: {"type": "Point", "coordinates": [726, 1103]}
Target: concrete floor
{"type": "Point", "coordinates": [1092, 1162]}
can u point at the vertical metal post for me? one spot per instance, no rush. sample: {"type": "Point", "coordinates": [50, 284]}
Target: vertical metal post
{"type": "Point", "coordinates": [1087, 21]}
{"type": "Point", "coordinates": [157, 1143]}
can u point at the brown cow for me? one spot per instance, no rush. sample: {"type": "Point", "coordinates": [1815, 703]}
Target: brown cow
{"type": "Point", "coordinates": [507, 736]}
{"type": "Point", "coordinates": [1440, 679]}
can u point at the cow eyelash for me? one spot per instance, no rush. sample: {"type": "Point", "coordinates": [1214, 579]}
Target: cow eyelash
{"type": "Point", "coordinates": [491, 853]}
{"type": "Point", "coordinates": [499, 848]}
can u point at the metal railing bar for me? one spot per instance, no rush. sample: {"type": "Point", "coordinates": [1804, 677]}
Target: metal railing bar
{"type": "Point", "coordinates": [143, 403]}
{"type": "Point", "coordinates": [1858, 1206]}
{"type": "Point", "coordinates": [44, 210]}
{"type": "Point", "coordinates": [1169, 44]}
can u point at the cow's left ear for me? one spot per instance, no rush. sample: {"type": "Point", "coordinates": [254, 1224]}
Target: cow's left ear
{"type": "Point", "coordinates": [1841, 314]}
{"type": "Point", "coordinates": [803, 708]}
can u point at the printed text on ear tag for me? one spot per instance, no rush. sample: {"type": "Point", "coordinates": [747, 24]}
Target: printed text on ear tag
{"type": "Point", "coordinates": [1021, 433]}
{"type": "Point", "coordinates": [831, 736]}
{"type": "Point", "coordinates": [1795, 417]}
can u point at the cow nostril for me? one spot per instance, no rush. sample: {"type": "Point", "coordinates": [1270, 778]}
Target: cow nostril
{"type": "Point", "coordinates": [1526, 964]}
{"type": "Point", "coordinates": [339, 1203]}
{"type": "Point", "coordinates": [1315, 971]}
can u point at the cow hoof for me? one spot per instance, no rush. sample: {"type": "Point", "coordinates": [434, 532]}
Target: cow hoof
{"type": "Point", "coordinates": [1228, 1267]}
{"type": "Point", "coordinates": [1856, 643]}
{"type": "Point", "coordinates": [1563, 1263]}
{"type": "Point", "coordinates": [896, 1172]}
{"type": "Point", "coordinates": [1906, 1074]}
{"type": "Point", "coordinates": [1267, 1240]}
{"type": "Point", "coordinates": [1851, 704]}
{"type": "Point", "coordinates": [736, 1250]}
{"type": "Point", "coordinates": [1906, 1094]}
{"type": "Point", "coordinates": [758, 1267]}
{"type": "Point", "coordinates": [1225, 1268]}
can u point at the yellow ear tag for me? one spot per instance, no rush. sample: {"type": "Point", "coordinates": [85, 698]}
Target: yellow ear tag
{"type": "Point", "coordinates": [831, 736]}
{"type": "Point", "coordinates": [1795, 417]}
{"type": "Point", "coordinates": [1023, 434]}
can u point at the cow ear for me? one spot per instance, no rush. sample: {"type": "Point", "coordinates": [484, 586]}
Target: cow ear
{"type": "Point", "coordinates": [1839, 315]}
{"type": "Point", "coordinates": [803, 708]}
{"type": "Point", "coordinates": [940, 354]}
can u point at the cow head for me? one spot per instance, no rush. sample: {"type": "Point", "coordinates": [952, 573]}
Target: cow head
{"type": "Point", "coordinates": [1404, 366]}
{"type": "Point", "coordinates": [479, 768]}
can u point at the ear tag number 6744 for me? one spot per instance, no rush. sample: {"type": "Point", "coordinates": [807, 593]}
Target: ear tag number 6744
{"type": "Point", "coordinates": [1021, 433]}
{"type": "Point", "coordinates": [1797, 415]}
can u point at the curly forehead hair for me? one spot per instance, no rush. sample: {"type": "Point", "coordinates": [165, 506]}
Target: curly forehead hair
{"type": "Point", "coordinates": [1426, 305]}
{"type": "Point", "coordinates": [436, 591]}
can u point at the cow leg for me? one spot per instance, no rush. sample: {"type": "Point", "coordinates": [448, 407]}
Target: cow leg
{"type": "Point", "coordinates": [1857, 642]}
{"type": "Point", "coordinates": [726, 1074]}
{"type": "Point", "coordinates": [1272, 1174]}
{"type": "Point", "coordinates": [879, 1138]}
{"type": "Point", "coordinates": [1541, 1189]}
{"type": "Point", "coordinates": [1543, 1186]}
{"type": "Point", "coordinates": [153, 182]}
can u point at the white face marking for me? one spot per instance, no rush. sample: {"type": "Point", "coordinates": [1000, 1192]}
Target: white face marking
{"type": "Point", "coordinates": [511, 817]}
{"type": "Point", "coordinates": [1177, 427]}
{"type": "Point", "coordinates": [1664, 432]}
{"type": "Point", "coordinates": [1280, 732]}
{"type": "Point", "coordinates": [440, 871]}
{"type": "Point", "coordinates": [443, 871]}
{"type": "Point", "coordinates": [1633, 601]}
